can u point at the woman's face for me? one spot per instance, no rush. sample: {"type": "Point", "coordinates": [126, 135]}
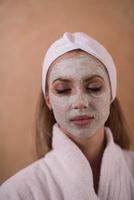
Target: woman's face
{"type": "Point", "coordinates": [79, 94]}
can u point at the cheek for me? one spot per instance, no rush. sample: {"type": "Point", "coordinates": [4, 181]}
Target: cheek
{"type": "Point", "coordinates": [102, 104]}
{"type": "Point", "coordinates": [59, 104]}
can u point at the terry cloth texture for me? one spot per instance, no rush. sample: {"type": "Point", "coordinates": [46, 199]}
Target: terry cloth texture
{"type": "Point", "coordinates": [65, 174]}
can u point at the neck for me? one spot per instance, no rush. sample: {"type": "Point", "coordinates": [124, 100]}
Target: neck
{"type": "Point", "coordinates": [92, 147]}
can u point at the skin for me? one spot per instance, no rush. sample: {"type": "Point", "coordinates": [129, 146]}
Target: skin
{"type": "Point", "coordinates": [86, 92]}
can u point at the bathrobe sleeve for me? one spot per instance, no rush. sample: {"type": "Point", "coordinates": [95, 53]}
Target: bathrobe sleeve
{"type": "Point", "coordinates": [28, 184]}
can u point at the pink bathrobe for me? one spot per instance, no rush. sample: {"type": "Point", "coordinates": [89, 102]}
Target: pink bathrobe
{"type": "Point", "coordinates": [65, 174]}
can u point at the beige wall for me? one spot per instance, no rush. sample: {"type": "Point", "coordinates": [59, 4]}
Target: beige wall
{"type": "Point", "coordinates": [26, 29]}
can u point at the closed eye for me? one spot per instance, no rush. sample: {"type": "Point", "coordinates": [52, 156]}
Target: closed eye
{"type": "Point", "coordinates": [95, 89]}
{"type": "Point", "coordinates": [63, 91]}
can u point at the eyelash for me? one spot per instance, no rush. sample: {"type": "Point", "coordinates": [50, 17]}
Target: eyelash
{"type": "Point", "coordinates": [96, 89]}
{"type": "Point", "coordinates": [63, 91]}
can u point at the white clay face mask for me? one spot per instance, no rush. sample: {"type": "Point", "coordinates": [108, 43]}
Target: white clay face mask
{"type": "Point", "coordinates": [81, 102]}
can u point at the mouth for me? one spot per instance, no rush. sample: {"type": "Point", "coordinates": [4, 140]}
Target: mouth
{"type": "Point", "coordinates": [82, 120]}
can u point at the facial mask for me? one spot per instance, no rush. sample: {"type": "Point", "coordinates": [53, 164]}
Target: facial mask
{"type": "Point", "coordinates": [75, 98]}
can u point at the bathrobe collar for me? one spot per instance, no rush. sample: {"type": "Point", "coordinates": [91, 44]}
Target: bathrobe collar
{"type": "Point", "coordinates": [115, 178]}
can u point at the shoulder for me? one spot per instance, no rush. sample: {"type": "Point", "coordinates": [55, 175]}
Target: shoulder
{"type": "Point", "coordinates": [129, 158]}
{"type": "Point", "coordinates": [27, 183]}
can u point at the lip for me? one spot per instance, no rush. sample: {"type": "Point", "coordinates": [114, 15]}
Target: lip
{"type": "Point", "coordinates": [82, 120]}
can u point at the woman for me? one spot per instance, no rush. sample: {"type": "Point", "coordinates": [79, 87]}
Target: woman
{"type": "Point", "coordinates": [80, 129]}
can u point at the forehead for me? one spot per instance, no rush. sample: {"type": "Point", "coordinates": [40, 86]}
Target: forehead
{"type": "Point", "coordinates": [76, 63]}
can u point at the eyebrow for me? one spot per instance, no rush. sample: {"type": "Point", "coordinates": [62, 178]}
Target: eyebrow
{"type": "Point", "coordinates": [86, 79]}
{"type": "Point", "coordinates": [62, 79]}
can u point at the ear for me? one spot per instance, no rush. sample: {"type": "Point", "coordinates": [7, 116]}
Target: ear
{"type": "Point", "coordinates": [47, 99]}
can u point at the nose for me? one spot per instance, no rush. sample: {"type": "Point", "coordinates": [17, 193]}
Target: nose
{"type": "Point", "coordinates": [80, 102]}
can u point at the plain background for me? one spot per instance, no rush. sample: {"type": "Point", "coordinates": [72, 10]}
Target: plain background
{"type": "Point", "coordinates": [27, 28]}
